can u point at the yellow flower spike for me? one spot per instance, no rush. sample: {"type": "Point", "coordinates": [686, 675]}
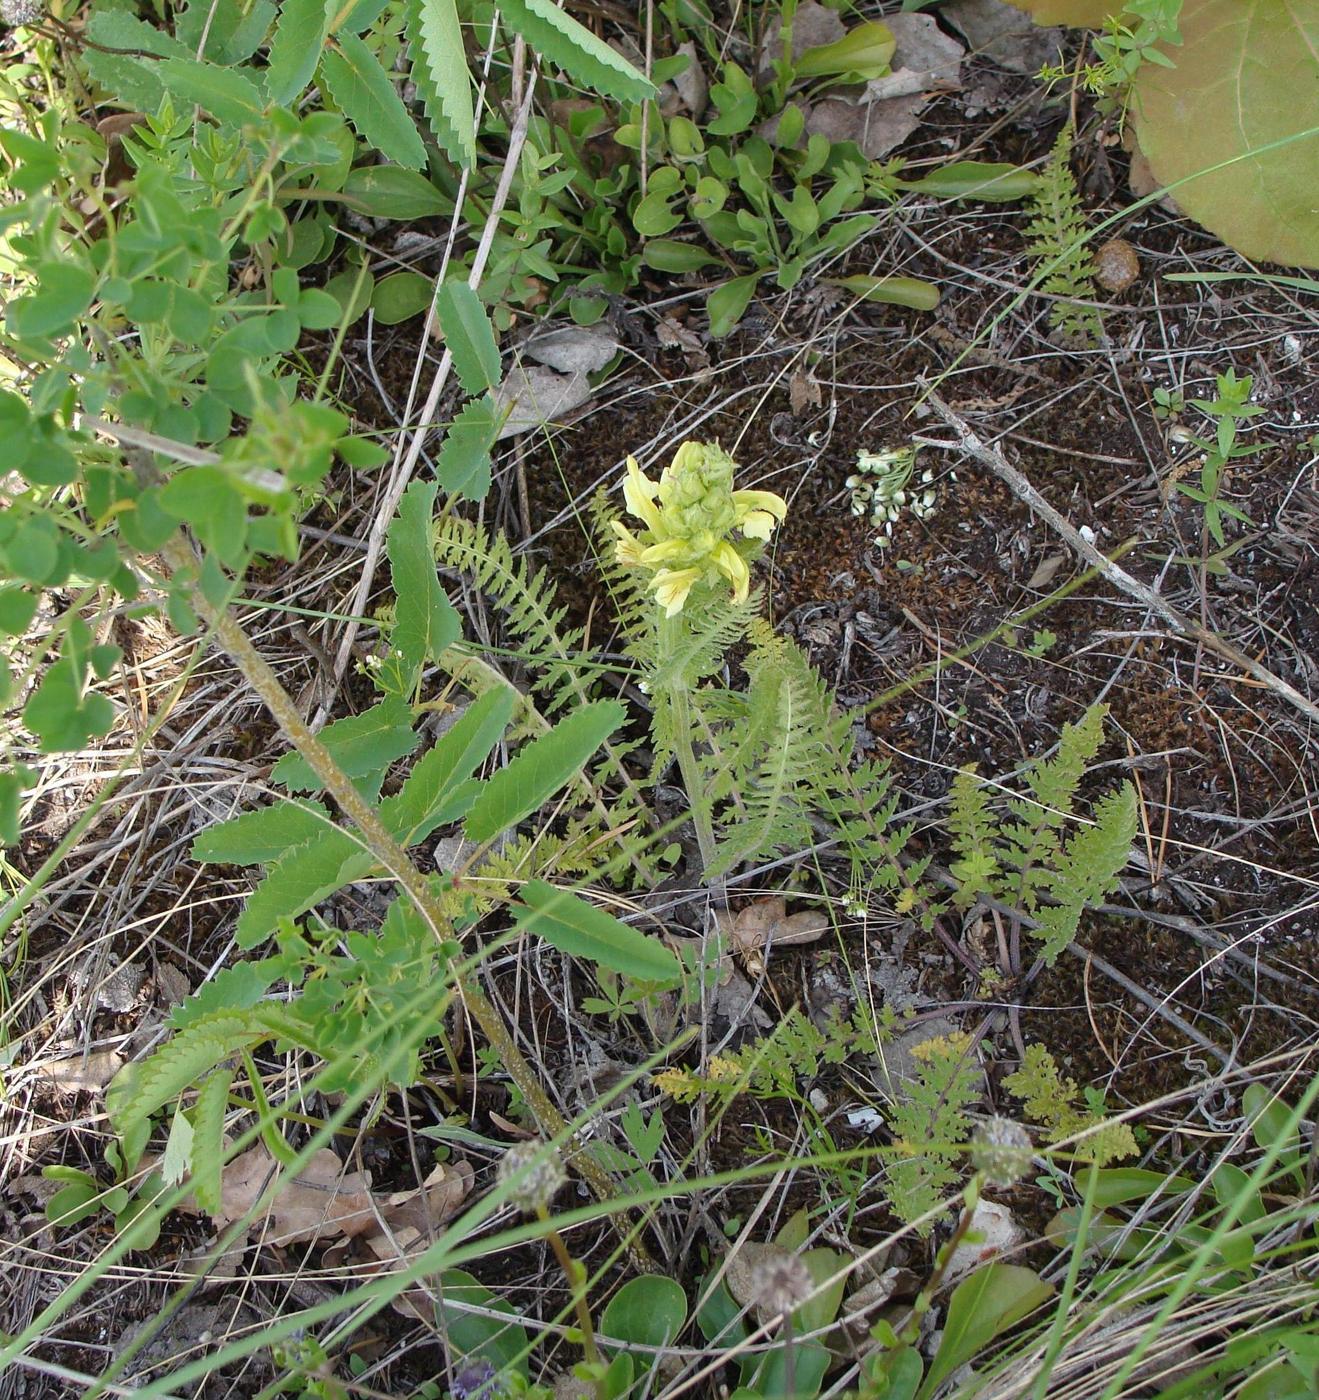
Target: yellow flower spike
{"type": "Point", "coordinates": [697, 528]}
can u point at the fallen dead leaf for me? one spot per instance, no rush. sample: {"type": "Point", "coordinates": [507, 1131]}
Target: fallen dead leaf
{"type": "Point", "coordinates": [1045, 570]}
{"type": "Point", "coordinates": [812, 26]}
{"type": "Point", "coordinates": [876, 127]}
{"type": "Point", "coordinates": [803, 392]}
{"type": "Point", "coordinates": [82, 1074]}
{"type": "Point", "coordinates": [925, 60]}
{"type": "Point", "coordinates": [572, 349]}
{"type": "Point", "coordinates": [692, 86]}
{"type": "Point", "coordinates": [1004, 34]}
{"type": "Point", "coordinates": [323, 1201]}
{"type": "Point", "coordinates": [673, 335]}
{"type": "Point", "coordinates": [532, 396]}
{"type": "Point", "coordinates": [766, 923]}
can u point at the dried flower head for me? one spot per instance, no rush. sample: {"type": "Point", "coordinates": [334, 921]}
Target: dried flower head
{"type": "Point", "coordinates": [696, 525]}
{"type": "Point", "coordinates": [20, 12]}
{"type": "Point", "coordinates": [1001, 1151]}
{"type": "Point", "coordinates": [779, 1283]}
{"type": "Point", "coordinates": [478, 1380]}
{"type": "Point", "coordinates": [535, 1173]}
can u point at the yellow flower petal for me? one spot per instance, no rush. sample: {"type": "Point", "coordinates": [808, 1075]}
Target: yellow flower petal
{"type": "Point", "coordinates": [672, 587]}
{"type": "Point", "coordinates": [758, 525]}
{"type": "Point", "coordinates": [749, 501]}
{"type": "Point", "coordinates": [639, 491]}
{"type": "Point", "coordinates": [629, 549]}
{"type": "Point", "coordinates": [665, 552]}
{"type": "Point", "coordinates": [733, 567]}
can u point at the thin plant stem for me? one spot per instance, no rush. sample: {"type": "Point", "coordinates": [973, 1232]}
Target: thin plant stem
{"type": "Point", "coordinates": [263, 680]}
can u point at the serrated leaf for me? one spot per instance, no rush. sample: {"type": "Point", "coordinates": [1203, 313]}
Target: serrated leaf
{"type": "Point", "coordinates": [439, 69]}
{"type": "Point", "coordinates": [561, 40]}
{"type": "Point", "coordinates": [1246, 76]}
{"type": "Point", "coordinates": [233, 988]}
{"type": "Point", "coordinates": [468, 335]}
{"type": "Point", "coordinates": [208, 1140]}
{"type": "Point", "coordinates": [296, 48]}
{"type": "Point", "coordinates": [363, 746]}
{"type": "Point", "coordinates": [581, 930]}
{"type": "Point", "coordinates": [541, 769]}
{"type": "Point", "coordinates": [463, 468]}
{"type": "Point", "coordinates": [260, 836]}
{"type": "Point", "coordinates": [226, 93]}
{"type": "Point", "coordinates": [224, 33]}
{"type": "Point", "coordinates": [366, 95]}
{"type": "Point", "coordinates": [425, 621]}
{"type": "Point", "coordinates": [419, 806]}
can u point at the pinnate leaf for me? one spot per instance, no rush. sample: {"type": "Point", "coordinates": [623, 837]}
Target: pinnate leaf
{"type": "Point", "coordinates": [226, 93]}
{"type": "Point", "coordinates": [425, 622]}
{"type": "Point", "coordinates": [363, 746]}
{"type": "Point", "coordinates": [296, 48]}
{"type": "Point", "coordinates": [208, 1139]}
{"type": "Point", "coordinates": [261, 836]}
{"type": "Point", "coordinates": [463, 468]}
{"type": "Point", "coordinates": [581, 930]}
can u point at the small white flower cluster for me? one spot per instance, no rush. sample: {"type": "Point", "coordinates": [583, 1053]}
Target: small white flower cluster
{"type": "Point", "coordinates": [882, 488]}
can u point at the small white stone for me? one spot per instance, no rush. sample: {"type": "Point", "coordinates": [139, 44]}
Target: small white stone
{"type": "Point", "coordinates": [1087, 534]}
{"type": "Point", "coordinates": [819, 1100]}
{"type": "Point", "coordinates": [864, 1120]}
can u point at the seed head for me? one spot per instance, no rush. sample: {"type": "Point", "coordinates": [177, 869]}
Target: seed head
{"type": "Point", "coordinates": [1001, 1151]}
{"type": "Point", "coordinates": [476, 1381]}
{"type": "Point", "coordinates": [779, 1283]}
{"type": "Point", "coordinates": [20, 12]}
{"type": "Point", "coordinates": [534, 1173]}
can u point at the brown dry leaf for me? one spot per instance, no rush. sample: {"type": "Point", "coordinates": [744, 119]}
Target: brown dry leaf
{"type": "Point", "coordinates": [1045, 570]}
{"type": "Point", "coordinates": [323, 1201]}
{"type": "Point", "coordinates": [82, 1074]}
{"type": "Point", "coordinates": [766, 923]}
{"type": "Point", "coordinates": [876, 127]}
{"type": "Point", "coordinates": [692, 86]}
{"type": "Point", "coordinates": [673, 335]}
{"type": "Point", "coordinates": [803, 392]}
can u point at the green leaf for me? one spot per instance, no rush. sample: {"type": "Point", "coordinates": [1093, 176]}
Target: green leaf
{"type": "Point", "coordinates": [560, 39]}
{"type": "Point", "coordinates": [400, 296]}
{"type": "Point", "coordinates": [468, 335]}
{"type": "Point", "coordinates": [299, 880]}
{"type": "Point", "coordinates": [861, 54]}
{"type": "Point", "coordinates": [669, 255]}
{"type": "Point", "coordinates": [13, 784]}
{"type": "Point", "coordinates": [425, 622]}
{"type": "Point", "coordinates": [981, 1307]}
{"type": "Point", "coordinates": [648, 1312]}
{"type": "Point", "coordinates": [726, 303]}
{"type": "Point", "coordinates": [365, 93]}
{"type": "Point", "coordinates": [363, 746]}
{"type": "Point", "coordinates": [62, 714]}
{"type": "Point", "coordinates": [1246, 76]}
{"type": "Point", "coordinates": [439, 69]}
{"type": "Point", "coordinates": [208, 1140]}
{"type": "Point", "coordinates": [477, 1336]}
{"type": "Point", "coordinates": [263, 835]}
{"type": "Point", "coordinates": [17, 608]}
{"type": "Point", "coordinates": [542, 768]}
{"type": "Point", "coordinates": [890, 291]}
{"type": "Point", "coordinates": [226, 93]}
{"type": "Point", "coordinates": [230, 32]}
{"type": "Point", "coordinates": [463, 467]}
{"type": "Point", "coordinates": [66, 292]}
{"type": "Point", "coordinates": [296, 48]}
{"type": "Point", "coordinates": [421, 803]}
{"type": "Point", "coordinates": [583, 931]}
{"type": "Point", "coordinates": [994, 182]}
{"type": "Point", "coordinates": [178, 1148]}
{"type": "Point", "coordinates": [390, 192]}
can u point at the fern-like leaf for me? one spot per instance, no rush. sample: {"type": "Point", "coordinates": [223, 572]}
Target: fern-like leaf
{"type": "Point", "coordinates": [208, 1139]}
{"type": "Point", "coordinates": [561, 40]}
{"type": "Point", "coordinates": [973, 829]}
{"type": "Point", "coordinates": [1057, 236]}
{"type": "Point", "coordinates": [1087, 869]}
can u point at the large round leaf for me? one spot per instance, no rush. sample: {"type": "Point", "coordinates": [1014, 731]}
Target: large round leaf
{"type": "Point", "coordinates": [1246, 77]}
{"type": "Point", "coordinates": [1089, 14]}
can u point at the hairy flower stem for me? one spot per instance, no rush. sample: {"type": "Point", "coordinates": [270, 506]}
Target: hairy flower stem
{"type": "Point", "coordinates": [263, 680]}
{"type": "Point", "coordinates": [674, 695]}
